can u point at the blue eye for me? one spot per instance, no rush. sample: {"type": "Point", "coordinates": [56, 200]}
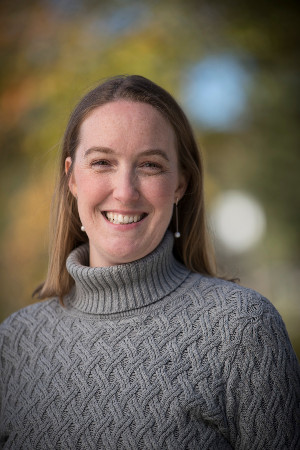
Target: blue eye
{"type": "Point", "coordinates": [151, 164]}
{"type": "Point", "coordinates": [151, 168]}
{"type": "Point", "coordinates": [101, 162]}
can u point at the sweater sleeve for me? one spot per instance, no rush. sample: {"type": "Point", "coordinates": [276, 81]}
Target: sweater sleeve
{"type": "Point", "coordinates": [263, 383]}
{"type": "Point", "coordinates": [2, 370]}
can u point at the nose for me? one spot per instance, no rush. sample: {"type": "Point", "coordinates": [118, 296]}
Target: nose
{"type": "Point", "coordinates": [126, 187]}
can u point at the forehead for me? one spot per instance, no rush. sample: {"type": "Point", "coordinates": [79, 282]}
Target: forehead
{"type": "Point", "coordinates": [128, 120]}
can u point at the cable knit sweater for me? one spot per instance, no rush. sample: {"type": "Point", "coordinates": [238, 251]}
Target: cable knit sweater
{"type": "Point", "coordinates": [148, 355]}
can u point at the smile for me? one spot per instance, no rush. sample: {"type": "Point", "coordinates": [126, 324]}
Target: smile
{"type": "Point", "coordinates": [123, 219]}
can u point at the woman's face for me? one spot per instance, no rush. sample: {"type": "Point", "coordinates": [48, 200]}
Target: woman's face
{"type": "Point", "coordinates": [126, 180]}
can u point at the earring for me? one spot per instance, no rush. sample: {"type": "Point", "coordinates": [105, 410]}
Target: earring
{"type": "Point", "coordinates": [82, 228]}
{"type": "Point", "coordinates": [176, 234]}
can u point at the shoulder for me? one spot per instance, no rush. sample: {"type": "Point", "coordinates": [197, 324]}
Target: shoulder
{"type": "Point", "coordinates": [245, 325]}
{"type": "Point", "coordinates": [33, 311]}
{"type": "Point", "coordinates": [230, 298]}
{"type": "Point", "coordinates": [235, 312]}
{"type": "Point", "coordinates": [28, 318]}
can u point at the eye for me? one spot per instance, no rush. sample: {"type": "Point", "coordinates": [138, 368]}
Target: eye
{"type": "Point", "coordinates": [100, 162]}
{"type": "Point", "coordinates": [149, 168]}
{"type": "Point", "coordinates": [151, 165]}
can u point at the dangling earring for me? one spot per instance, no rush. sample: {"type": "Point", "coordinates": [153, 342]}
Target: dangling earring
{"type": "Point", "coordinates": [82, 228]}
{"type": "Point", "coordinates": [176, 234]}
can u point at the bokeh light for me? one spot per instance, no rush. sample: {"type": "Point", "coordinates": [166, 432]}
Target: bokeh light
{"type": "Point", "coordinates": [215, 91]}
{"type": "Point", "coordinates": [238, 220]}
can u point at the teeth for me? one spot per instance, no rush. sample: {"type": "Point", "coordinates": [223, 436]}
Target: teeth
{"type": "Point", "coordinates": [120, 219]}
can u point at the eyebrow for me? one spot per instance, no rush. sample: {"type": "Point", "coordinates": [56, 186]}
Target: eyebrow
{"type": "Point", "coordinates": [109, 151]}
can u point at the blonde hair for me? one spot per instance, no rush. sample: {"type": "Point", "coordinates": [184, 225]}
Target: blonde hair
{"type": "Point", "coordinates": [193, 248]}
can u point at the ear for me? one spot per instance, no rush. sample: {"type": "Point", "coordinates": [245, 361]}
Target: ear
{"type": "Point", "coordinates": [181, 188]}
{"type": "Point", "coordinates": [71, 182]}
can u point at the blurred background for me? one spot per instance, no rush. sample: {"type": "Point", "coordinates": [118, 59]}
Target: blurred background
{"type": "Point", "coordinates": [233, 66]}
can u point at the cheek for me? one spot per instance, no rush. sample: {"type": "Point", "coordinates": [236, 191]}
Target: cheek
{"type": "Point", "coordinates": [89, 187]}
{"type": "Point", "coordinates": [160, 191]}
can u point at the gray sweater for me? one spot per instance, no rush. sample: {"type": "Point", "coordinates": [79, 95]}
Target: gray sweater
{"type": "Point", "coordinates": [148, 355]}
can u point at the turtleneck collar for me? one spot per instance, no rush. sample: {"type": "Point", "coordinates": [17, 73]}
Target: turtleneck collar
{"type": "Point", "coordinates": [117, 289]}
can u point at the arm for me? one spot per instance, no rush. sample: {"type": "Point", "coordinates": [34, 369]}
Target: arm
{"type": "Point", "coordinates": [263, 386]}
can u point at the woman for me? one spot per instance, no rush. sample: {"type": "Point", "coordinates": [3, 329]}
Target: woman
{"type": "Point", "coordinates": [140, 346]}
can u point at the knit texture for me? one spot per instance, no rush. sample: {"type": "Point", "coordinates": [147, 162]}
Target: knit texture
{"type": "Point", "coordinates": [147, 355]}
